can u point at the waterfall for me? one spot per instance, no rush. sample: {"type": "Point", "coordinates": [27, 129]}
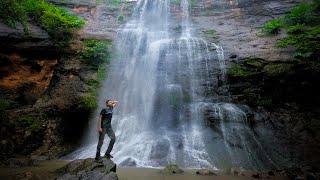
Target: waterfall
{"type": "Point", "coordinates": [165, 83]}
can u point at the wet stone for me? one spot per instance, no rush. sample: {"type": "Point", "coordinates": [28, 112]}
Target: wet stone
{"type": "Point", "coordinates": [205, 172]}
{"type": "Point", "coordinates": [172, 169]}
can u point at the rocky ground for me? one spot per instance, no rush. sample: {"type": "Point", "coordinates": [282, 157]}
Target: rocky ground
{"type": "Point", "coordinates": [61, 170]}
{"type": "Point", "coordinates": [106, 169]}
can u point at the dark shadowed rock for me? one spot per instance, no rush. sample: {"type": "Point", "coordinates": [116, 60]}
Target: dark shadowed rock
{"type": "Point", "coordinates": [233, 56]}
{"type": "Point", "coordinates": [20, 162]}
{"type": "Point", "coordinates": [86, 169]}
{"type": "Point", "coordinates": [311, 176]}
{"type": "Point", "coordinates": [205, 172]}
{"type": "Point", "coordinates": [271, 173]}
{"type": "Point", "coordinates": [257, 176]}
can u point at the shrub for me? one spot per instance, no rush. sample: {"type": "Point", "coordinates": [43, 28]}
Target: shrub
{"type": "Point", "coordinates": [5, 104]}
{"type": "Point", "coordinates": [304, 39]}
{"type": "Point", "coordinates": [305, 13]}
{"type": "Point", "coordinates": [89, 102]}
{"type": "Point", "coordinates": [30, 123]}
{"type": "Point", "coordinates": [121, 17]}
{"type": "Point", "coordinates": [12, 12]}
{"type": "Point", "coordinates": [302, 25]}
{"type": "Point", "coordinates": [58, 22]}
{"type": "Point", "coordinates": [95, 52]}
{"type": "Point", "coordinates": [101, 72]}
{"type": "Point", "coordinates": [272, 27]}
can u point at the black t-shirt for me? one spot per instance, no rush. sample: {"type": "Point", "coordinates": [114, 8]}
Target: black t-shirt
{"type": "Point", "coordinates": [106, 115]}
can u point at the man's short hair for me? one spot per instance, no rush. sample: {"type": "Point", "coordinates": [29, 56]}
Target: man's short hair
{"type": "Point", "coordinates": [107, 101]}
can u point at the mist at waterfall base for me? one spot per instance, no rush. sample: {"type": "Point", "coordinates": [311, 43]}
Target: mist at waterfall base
{"type": "Point", "coordinates": [166, 81]}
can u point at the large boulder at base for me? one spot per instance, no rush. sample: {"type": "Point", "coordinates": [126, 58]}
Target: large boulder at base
{"type": "Point", "coordinates": [172, 169]}
{"type": "Point", "coordinates": [205, 172]}
{"type": "Point", "coordinates": [87, 169]}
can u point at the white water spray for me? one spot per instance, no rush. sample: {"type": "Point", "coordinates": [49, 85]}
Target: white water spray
{"type": "Point", "coordinates": [164, 86]}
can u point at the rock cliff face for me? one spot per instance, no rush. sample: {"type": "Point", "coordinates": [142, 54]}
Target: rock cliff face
{"type": "Point", "coordinates": [42, 85]}
{"type": "Point", "coordinates": [281, 91]}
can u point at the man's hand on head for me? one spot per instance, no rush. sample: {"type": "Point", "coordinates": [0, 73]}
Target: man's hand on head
{"type": "Point", "coordinates": [114, 103]}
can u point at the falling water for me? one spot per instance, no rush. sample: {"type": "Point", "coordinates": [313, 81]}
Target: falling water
{"type": "Point", "coordinates": [165, 84]}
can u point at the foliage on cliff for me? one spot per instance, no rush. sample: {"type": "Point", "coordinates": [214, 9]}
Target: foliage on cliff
{"type": "Point", "coordinates": [95, 54]}
{"type": "Point", "coordinates": [302, 26]}
{"type": "Point", "coordinates": [5, 104]}
{"type": "Point", "coordinates": [58, 22]}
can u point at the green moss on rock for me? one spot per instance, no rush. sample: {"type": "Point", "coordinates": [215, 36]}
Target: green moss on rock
{"type": "Point", "coordinates": [276, 69]}
{"type": "Point", "coordinates": [237, 70]}
{"type": "Point", "coordinates": [89, 102]}
{"type": "Point", "coordinates": [254, 62]}
{"type": "Point", "coordinates": [30, 123]}
{"type": "Point", "coordinates": [211, 33]}
{"type": "Point", "coordinates": [96, 54]}
{"type": "Point", "coordinates": [172, 169]}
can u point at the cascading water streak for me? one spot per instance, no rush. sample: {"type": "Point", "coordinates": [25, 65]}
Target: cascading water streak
{"type": "Point", "coordinates": [164, 84]}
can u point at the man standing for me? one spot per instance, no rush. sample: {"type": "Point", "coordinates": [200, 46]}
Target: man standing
{"type": "Point", "coordinates": [104, 126]}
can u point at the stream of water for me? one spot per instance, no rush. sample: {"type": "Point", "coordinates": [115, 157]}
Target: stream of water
{"type": "Point", "coordinates": [165, 83]}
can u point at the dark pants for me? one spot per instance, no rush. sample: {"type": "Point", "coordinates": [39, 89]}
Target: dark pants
{"type": "Point", "coordinates": [111, 135]}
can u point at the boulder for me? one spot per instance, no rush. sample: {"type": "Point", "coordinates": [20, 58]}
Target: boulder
{"type": "Point", "coordinates": [205, 172]}
{"type": "Point", "coordinates": [172, 169]}
{"type": "Point", "coordinates": [86, 169]}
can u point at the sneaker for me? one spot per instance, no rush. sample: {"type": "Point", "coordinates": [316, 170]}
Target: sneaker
{"type": "Point", "coordinates": [98, 159]}
{"type": "Point", "coordinates": [108, 156]}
